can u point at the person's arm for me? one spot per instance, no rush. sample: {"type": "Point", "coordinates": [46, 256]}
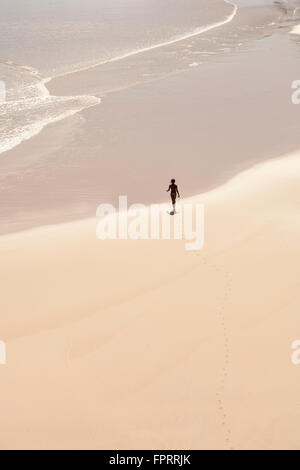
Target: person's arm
{"type": "Point", "coordinates": [169, 189]}
{"type": "Point", "coordinates": [178, 192]}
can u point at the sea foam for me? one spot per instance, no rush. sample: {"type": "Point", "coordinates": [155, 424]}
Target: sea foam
{"type": "Point", "coordinates": [29, 107]}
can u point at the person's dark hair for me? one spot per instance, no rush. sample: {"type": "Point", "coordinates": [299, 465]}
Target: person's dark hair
{"type": "Point", "coordinates": [173, 181]}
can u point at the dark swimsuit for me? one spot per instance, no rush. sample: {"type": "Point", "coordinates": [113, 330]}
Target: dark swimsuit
{"type": "Point", "coordinates": [173, 193]}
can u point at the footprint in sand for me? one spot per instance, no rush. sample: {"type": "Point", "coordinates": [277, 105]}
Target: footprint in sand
{"type": "Point", "coordinates": [225, 373]}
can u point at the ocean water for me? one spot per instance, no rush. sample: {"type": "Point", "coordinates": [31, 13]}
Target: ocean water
{"type": "Point", "coordinates": [62, 35]}
{"type": "Point", "coordinates": [42, 40]}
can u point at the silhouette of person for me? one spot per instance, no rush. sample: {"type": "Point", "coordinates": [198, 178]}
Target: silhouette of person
{"type": "Point", "coordinates": [174, 193]}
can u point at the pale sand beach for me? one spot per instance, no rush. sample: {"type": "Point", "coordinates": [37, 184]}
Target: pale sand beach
{"type": "Point", "coordinates": [125, 344]}
{"type": "Point", "coordinates": [141, 344]}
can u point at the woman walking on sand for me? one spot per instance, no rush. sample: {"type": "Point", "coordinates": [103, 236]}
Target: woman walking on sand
{"type": "Point", "coordinates": [174, 193]}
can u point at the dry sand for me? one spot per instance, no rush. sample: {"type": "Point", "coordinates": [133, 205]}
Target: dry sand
{"type": "Point", "coordinates": [141, 344]}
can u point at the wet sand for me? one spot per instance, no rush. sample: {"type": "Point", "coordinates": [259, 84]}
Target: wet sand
{"type": "Point", "coordinates": [201, 126]}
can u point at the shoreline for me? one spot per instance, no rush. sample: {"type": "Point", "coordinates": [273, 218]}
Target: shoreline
{"type": "Point", "coordinates": [199, 30]}
{"type": "Point", "coordinates": [45, 92]}
{"type": "Point", "coordinates": [71, 185]}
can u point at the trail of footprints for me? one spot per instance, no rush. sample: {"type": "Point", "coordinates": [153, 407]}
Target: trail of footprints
{"type": "Point", "coordinates": [220, 394]}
